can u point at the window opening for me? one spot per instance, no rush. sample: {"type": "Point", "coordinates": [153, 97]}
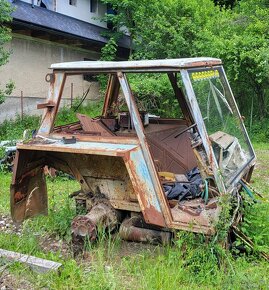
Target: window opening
{"type": "Point", "coordinates": [73, 2]}
{"type": "Point", "coordinates": [94, 6]}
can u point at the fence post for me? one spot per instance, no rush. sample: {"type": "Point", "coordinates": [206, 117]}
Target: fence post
{"type": "Point", "coordinates": [72, 93]}
{"type": "Point", "coordinates": [22, 104]}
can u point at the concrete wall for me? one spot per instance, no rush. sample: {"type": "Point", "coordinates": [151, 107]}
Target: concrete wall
{"type": "Point", "coordinates": [28, 64]}
{"type": "Point", "coordinates": [12, 107]}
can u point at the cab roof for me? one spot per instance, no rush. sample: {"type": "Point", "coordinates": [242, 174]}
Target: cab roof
{"type": "Point", "coordinates": [158, 65]}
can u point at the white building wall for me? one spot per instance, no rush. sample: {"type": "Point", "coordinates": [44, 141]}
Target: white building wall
{"type": "Point", "coordinates": [81, 11]}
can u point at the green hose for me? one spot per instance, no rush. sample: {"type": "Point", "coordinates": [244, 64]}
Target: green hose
{"type": "Point", "coordinates": [247, 190]}
{"type": "Point", "coordinates": [205, 192]}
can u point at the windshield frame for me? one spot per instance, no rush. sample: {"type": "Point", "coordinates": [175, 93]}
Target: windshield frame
{"type": "Point", "coordinates": [198, 118]}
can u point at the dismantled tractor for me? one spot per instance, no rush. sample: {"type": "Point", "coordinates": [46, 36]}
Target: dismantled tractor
{"type": "Point", "coordinates": [140, 172]}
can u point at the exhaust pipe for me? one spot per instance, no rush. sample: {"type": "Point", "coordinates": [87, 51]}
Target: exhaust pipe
{"type": "Point", "coordinates": [130, 232]}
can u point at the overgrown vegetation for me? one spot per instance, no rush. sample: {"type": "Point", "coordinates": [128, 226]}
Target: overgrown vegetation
{"type": "Point", "coordinates": [5, 36]}
{"type": "Point", "coordinates": [190, 28]}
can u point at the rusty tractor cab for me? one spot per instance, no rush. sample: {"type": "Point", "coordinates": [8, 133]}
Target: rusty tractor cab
{"type": "Point", "coordinates": [141, 173]}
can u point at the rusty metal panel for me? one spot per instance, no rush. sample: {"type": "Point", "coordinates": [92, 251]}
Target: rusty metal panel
{"type": "Point", "coordinates": [170, 153]}
{"type": "Point", "coordinates": [144, 188]}
{"type": "Point", "coordinates": [97, 148]}
{"type": "Point", "coordinates": [28, 192]}
{"type": "Point", "coordinates": [112, 92]}
{"type": "Point", "coordinates": [104, 174]}
{"type": "Point", "coordinates": [93, 126]}
{"type": "Point", "coordinates": [223, 139]}
{"type": "Point", "coordinates": [159, 65]}
{"type": "Point", "coordinates": [181, 98]}
{"type": "Point", "coordinates": [195, 216]}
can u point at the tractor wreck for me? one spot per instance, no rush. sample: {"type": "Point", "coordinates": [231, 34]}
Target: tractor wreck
{"type": "Point", "coordinates": [144, 174]}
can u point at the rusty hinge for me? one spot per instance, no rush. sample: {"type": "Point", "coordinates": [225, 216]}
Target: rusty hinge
{"type": "Point", "coordinates": [45, 105]}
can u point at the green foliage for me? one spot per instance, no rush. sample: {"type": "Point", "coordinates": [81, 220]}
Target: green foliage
{"type": "Point", "coordinates": [256, 219]}
{"type": "Point", "coordinates": [154, 94]}
{"type": "Point", "coordinates": [13, 130]}
{"type": "Point", "coordinates": [109, 51]}
{"type": "Point", "coordinates": [5, 36]}
{"type": "Point", "coordinates": [68, 115]}
{"type": "Point", "coordinates": [2, 153]}
{"type": "Point", "coordinates": [9, 87]}
{"type": "Point", "coordinates": [259, 131]}
{"type": "Point", "coordinates": [240, 39]}
{"type": "Point", "coordinates": [182, 28]}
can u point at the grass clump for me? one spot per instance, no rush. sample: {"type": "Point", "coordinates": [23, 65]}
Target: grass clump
{"type": "Point", "coordinates": [13, 130]}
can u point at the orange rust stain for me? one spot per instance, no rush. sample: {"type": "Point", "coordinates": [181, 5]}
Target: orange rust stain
{"type": "Point", "coordinates": [153, 216]}
{"type": "Point", "coordinates": [18, 196]}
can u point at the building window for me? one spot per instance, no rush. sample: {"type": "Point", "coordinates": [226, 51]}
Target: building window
{"type": "Point", "coordinates": [73, 2]}
{"type": "Point", "coordinates": [94, 6]}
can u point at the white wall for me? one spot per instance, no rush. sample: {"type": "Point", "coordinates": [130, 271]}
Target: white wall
{"type": "Point", "coordinates": [81, 11]}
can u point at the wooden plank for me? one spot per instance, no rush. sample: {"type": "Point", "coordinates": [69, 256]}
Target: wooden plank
{"type": "Point", "coordinates": [37, 264]}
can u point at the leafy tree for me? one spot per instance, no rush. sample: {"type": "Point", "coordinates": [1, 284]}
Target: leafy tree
{"type": "Point", "coordinates": [5, 36]}
{"type": "Point", "coordinates": [240, 39]}
{"type": "Point", "coordinates": [188, 28]}
{"type": "Point", "coordinates": [159, 30]}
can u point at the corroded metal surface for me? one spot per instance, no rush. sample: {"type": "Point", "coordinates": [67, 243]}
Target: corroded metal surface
{"type": "Point", "coordinates": [122, 163]}
{"type": "Point", "coordinates": [171, 153]}
{"type": "Point", "coordinates": [28, 191]}
{"type": "Point", "coordinates": [101, 215]}
{"type": "Point", "coordinates": [129, 231]}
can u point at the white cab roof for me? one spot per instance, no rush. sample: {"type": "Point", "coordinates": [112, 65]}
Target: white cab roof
{"type": "Point", "coordinates": [138, 65]}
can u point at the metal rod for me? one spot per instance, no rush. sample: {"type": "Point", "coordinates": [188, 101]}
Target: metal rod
{"type": "Point", "coordinates": [185, 130]}
{"type": "Point", "coordinates": [72, 94]}
{"type": "Point", "coordinates": [22, 104]}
